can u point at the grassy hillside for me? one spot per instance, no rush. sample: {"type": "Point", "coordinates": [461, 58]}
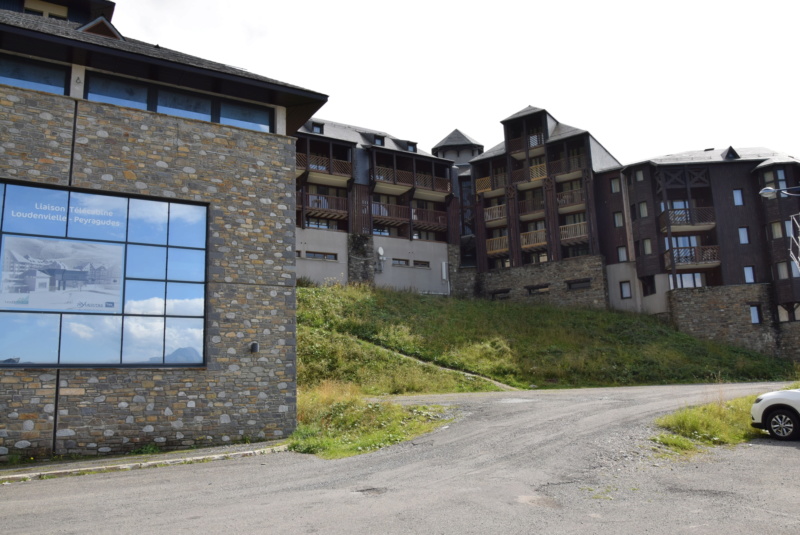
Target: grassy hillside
{"type": "Point", "coordinates": [357, 335]}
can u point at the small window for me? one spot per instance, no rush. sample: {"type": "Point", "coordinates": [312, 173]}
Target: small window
{"type": "Point", "coordinates": [412, 147]}
{"type": "Point", "coordinates": [639, 175]}
{"type": "Point", "coordinates": [615, 185]}
{"type": "Point", "coordinates": [399, 262]}
{"type": "Point", "coordinates": [321, 256]}
{"type": "Point", "coordinates": [422, 264]}
{"type": "Point", "coordinates": [738, 200]}
{"type": "Point", "coordinates": [647, 246]}
{"type": "Point", "coordinates": [783, 314]}
{"type": "Point", "coordinates": [744, 236]}
{"type": "Point", "coordinates": [783, 270]}
{"type": "Point", "coordinates": [795, 270]}
{"type": "Point", "coordinates": [622, 254]}
{"type": "Point", "coordinates": [625, 289]}
{"type": "Point", "coordinates": [379, 141]}
{"type": "Point", "coordinates": [317, 128]}
{"type": "Point", "coordinates": [298, 254]}
{"type": "Point", "coordinates": [643, 209]}
{"type": "Point", "coordinates": [777, 230]}
{"type": "Point", "coordinates": [789, 228]}
{"type": "Point", "coordinates": [755, 314]}
{"type": "Point", "coordinates": [618, 221]}
{"type": "Point", "coordinates": [579, 284]}
{"type": "Point", "coordinates": [534, 289]}
{"type": "Point", "coordinates": [33, 75]}
{"type": "Point", "coordinates": [749, 274]}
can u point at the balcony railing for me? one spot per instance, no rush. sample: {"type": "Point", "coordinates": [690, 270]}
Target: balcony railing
{"type": "Point", "coordinates": [493, 213]}
{"type": "Point", "coordinates": [529, 206]}
{"type": "Point", "coordinates": [574, 231]}
{"type": "Point", "coordinates": [690, 217]}
{"type": "Point", "coordinates": [316, 162]}
{"type": "Point", "coordinates": [424, 218]}
{"type": "Point", "coordinates": [488, 183]}
{"type": "Point", "coordinates": [383, 174]}
{"type": "Point", "coordinates": [538, 171]}
{"type": "Point", "coordinates": [534, 238]}
{"type": "Point", "coordinates": [567, 165]}
{"type": "Point", "coordinates": [497, 245]}
{"type": "Point", "coordinates": [390, 211]}
{"type": "Point", "coordinates": [692, 256]}
{"type": "Point", "coordinates": [318, 202]}
{"type": "Point", "coordinates": [526, 142]}
{"type": "Point", "coordinates": [483, 184]}
{"type": "Point", "coordinates": [407, 178]}
{"type": "Point", "coordinates": [567, 198]}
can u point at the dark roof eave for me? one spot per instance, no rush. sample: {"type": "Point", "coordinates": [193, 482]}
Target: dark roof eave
{"type": "Point", "coordinates": [296, 100]}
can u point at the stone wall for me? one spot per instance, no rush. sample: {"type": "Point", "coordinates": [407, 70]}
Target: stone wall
{"type": "Point", "coordinates": [360, 259]}
{"type": "Point", "coordinates": [246, 178]}
{"type": "Point", "coordinates": [552, 282]}
{"type": "Point", "coordinates": [722, 313]}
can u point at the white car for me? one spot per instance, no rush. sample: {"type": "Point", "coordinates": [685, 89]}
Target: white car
{"type": "Point", "coordinates": [779, 413]}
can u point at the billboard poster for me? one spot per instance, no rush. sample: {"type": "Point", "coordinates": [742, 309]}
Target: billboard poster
{"type": "Point", "coordinates": [60, 275]}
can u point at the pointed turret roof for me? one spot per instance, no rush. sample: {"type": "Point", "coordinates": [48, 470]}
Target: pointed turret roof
{"type": "Point", "coordinates": [457, 138]}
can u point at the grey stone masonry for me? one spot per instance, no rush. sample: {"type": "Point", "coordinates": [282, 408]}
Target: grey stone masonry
{"type": "Point", "coordinates": [722, 313]}
{"type": "Point", "coordinates": [578, 281]}
{"type": "Point", "coordinates": [247, 180]}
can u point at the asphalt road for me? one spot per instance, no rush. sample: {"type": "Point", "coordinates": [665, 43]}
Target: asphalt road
{"type": "Point", "coordinates": [567, 461]}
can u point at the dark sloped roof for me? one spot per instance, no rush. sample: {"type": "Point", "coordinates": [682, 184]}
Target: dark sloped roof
{"type": "Point", "coordinates": [457, 138]}
{"type": "Point", "coordinates": [60, 35]}
{"type": "Point", "coordinates": [762, 155]}
{"type": "Point", "coordinates": [530, 110]}
{"type": "Point", "coordinates": [360, 137]}
{"type": "Point", "coordinates": [497, 150]}
{"type": "Point", "coordinates": [70, 30]}
{"type": "Point", "coordinates": [563, 131]}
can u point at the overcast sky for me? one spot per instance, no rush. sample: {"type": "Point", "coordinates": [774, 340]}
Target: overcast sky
{"type": "Point", "coordinates": [645, 78]}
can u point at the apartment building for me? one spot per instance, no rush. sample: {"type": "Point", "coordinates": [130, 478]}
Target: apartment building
{"type": "Point", "coordinates": [373, 208]}
{"type": "Point", "coordinates": [534, 197]}
{"type": "Point", "coordinates": [689, 237]}
{"type": "Point", "coordinates": [147, 234]}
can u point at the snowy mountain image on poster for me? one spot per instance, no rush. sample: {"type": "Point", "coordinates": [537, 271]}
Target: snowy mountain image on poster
{"type": "Point", "coordinates": [60, 275]}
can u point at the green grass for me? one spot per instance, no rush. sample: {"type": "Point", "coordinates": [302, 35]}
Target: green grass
{"type": "Point", "coordinates": [356, 340]}
{"type": "Point", "coordinates": [334, 420]}
{"type": "Point", "coordinates": [520, 344]}
{"type": "Point", "coordinates": [717, 423]}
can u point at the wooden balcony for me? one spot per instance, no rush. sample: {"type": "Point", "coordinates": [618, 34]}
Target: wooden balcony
{"type": "Point", "coordinates": [497, 246]}
{"type": "Point", "coordinates": [534, 239]}
{"type": "Point", "coordinates": [408, 179]}
{"type": "Point", "coordinates": [573, 198]}
{"type": "Point", "coordinates": [568, 165]}
{"type": "Point", "coordinates": [576, 233]}
{"type": "Point", "coordinates": [429, 219]}
{"type": "Point", "coordinates": [530, 206]}
{"type": "Point", "coordinates": [323, 164]}
{"type": "Point", "coordinates": [495, 213]}
{"type": "Point", "coordinates": [325, 206]}
{"type": "Point", "coordinates": [491, 183]}
{"type": "Point", "coordinates": [700, 257]}
{"type": "Point", "coordinates": [530, 141]}
{"type": "Point", "coordinates": [390, 214]}
{"type": "Point", "coordinates": [687, 219]}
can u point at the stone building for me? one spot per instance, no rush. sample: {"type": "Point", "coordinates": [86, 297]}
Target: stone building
{"type": "Point", "coordinates": [155, 192]}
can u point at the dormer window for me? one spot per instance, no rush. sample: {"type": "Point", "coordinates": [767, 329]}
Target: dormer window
{"type": "Point", "coordinates": [412, 147]}
{"type": "Point", "coordinates": [379, 141]}
{"type": "Point", "coordinates": [45, 9]}
{"type": "Point", "coordinates": [317, 128]}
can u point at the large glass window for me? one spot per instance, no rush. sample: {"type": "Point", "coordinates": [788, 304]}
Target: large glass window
{"type": "Point", "coordinates": [100, 280]}
{"type": "Point", "coordinates": [145, 96]}
{"type": "Point", "coordinates": [29, 74]}
{"type": "Point", "coordinates": [117, 91]}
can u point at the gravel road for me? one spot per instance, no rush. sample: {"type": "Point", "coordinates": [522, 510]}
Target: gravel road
{"type": "Point", "coordinates": [556, 462]}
